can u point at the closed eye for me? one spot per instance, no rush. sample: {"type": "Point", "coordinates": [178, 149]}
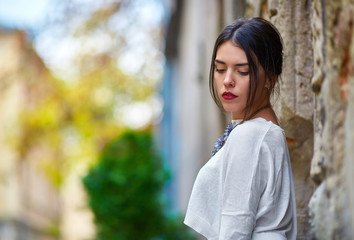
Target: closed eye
{"type": "Point", "coordinates": [244, 73]}
{"type": "Point", "coordinates": [220, 70]}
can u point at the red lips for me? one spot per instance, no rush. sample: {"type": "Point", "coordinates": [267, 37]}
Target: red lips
{"type": "Point", "coordinates": [228, 96]}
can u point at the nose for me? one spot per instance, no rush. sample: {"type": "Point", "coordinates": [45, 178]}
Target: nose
{"type": "Point", "coordinates": [229, 80]}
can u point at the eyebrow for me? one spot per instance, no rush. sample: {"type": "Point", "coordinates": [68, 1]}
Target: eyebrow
{"type": "Point", "coordinates": [237, 65]}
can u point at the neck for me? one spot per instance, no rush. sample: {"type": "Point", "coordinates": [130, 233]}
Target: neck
{"type": "Point", "coordinates": [253, 113]}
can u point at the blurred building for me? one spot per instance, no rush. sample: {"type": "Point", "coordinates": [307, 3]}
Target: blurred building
{"type": "Point", "coordinates": [32, 205]}
{"type": "Point", "coordinates": [191, 122]}
{"type": "Point", "coordinates": [314, 104]}
{"type": "Point", "coordinates": [29, 204]}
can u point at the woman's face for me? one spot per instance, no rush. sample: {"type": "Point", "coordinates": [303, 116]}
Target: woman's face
{"type": "Point", "coordinates": [232, 79]}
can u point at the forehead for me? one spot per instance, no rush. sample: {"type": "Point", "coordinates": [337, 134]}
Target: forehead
{"type": "Point", "coordinates": [228, 52]}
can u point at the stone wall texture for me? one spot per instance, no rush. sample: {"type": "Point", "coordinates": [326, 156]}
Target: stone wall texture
{"type": "Point", "coordinates": [331, 206]}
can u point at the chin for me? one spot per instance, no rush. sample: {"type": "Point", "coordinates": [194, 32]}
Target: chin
{"type": "Point", "coordinates": [232, 109]}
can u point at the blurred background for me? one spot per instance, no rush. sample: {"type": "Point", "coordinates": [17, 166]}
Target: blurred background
{"type": "Point", "coordinates": [106, 116]}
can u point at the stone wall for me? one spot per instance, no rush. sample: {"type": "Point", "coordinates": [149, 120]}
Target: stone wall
{"type": "Point", "coordinates": [332, 204]}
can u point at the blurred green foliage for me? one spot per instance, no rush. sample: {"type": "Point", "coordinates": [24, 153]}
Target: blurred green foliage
{"type": "Point", "coordinates": [69, 123]}
{"type": "Point", "coordinates": [69, 117]}
{"type": "Point", "coordinates": [124, 190]}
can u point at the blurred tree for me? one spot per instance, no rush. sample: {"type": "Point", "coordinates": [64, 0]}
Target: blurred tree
{"type": "Point", "coordinates": [124, 190]}
{"type": "Point", "coordinates": [82, 105]}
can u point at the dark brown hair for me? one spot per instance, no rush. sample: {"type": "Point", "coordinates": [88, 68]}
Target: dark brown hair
{"type": "Point", "coordinates": [262, 44]}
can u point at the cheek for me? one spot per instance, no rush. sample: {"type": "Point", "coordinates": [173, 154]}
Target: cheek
{"type": "Point", "coordinates": [218, 83]}
{"type": "Point", "coordinates": [245, 86]}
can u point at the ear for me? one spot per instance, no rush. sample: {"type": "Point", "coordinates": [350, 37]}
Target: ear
{"type": "Point", "coordinates": [270, 81]}
{"type": "Point", "coordinates": [268, 84]}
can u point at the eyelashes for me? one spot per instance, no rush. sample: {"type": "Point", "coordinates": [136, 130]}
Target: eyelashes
{"type": "Point", "coordinates": [221, 70]}
{"type": "Point", "coordinates": [244, 73]}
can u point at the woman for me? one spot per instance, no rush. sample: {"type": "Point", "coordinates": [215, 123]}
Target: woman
{"type": "Point", "coordinates": [246, 190]}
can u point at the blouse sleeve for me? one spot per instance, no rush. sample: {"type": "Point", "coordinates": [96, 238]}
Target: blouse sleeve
{"type": "Point", "coordinates": [244, 180]}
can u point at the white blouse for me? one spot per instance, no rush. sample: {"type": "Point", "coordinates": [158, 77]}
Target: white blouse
{"type": "Point", "coordinates": [246, 190]}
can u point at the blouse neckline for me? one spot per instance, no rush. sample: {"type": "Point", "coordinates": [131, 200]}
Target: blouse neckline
{"type": "Point", "coordinates": [235, 122]}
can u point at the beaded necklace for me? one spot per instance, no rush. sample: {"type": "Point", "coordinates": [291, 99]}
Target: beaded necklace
{"type": "Point", "coordinates": [222, 139]}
